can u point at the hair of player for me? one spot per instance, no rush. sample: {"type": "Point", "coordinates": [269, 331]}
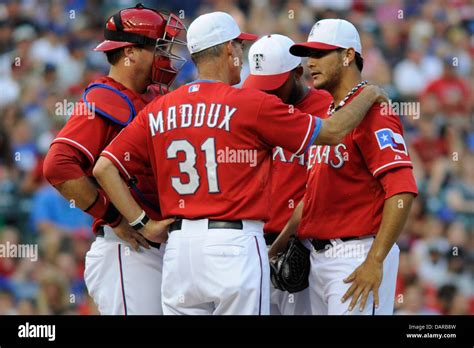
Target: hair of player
{"type": "Point", "coordinates": [359, 61]}
{"type": "Point", "coordinates": [114, 56]}
{"type": "Point", "coordinates": [208, 53]}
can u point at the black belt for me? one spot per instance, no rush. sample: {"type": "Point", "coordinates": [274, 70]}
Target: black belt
{"type": "Point", "coordinates": [270, 238]}
{"type": "Point", "coordinates": [323, 244]}
{"type": "Point", "coordinates": [213, 224]}
{"type": "Point", "coordinates": [100, 233]}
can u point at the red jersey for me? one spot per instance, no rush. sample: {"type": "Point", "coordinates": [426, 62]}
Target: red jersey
{"type": "Point", "coordinates": [344, 197]}
{"type": "Point", "coordinates": [90, 133]}
{"type": "Point", "coordinates": [289, 172]}
{"type": "Point", "coordinates": [210, 147]}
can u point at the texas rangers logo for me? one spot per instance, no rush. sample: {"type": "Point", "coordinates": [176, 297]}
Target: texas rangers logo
{"type": "Point", "coordinates": [388, 138]}
{"type": "Point", "coordinates": [258, 58]}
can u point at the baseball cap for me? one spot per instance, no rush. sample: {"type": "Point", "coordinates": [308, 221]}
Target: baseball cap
{"type": "Point", "coordinates": [270, 62]}
{"type": "Point", "coordinates": [212, 29]}
{"type": "Point", "coordinates": [329, 34]}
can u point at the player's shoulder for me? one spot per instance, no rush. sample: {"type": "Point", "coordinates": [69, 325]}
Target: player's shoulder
{"type": "Point", "coordinates": [252, 94]}
{"type": "Point", "coordinates": [381, 115]}
{"type": "Point", "coordinates": [246, 97]}
{"type": "Point", "coordinates": [316, 102]}
{"type": "Point", "coordinates": [383, 109]}
{"type": "Point", "coordinates": [214, 92]}
{"type": "Point", "coordinates": [239, 93]}
{"type": "Point", "coordinates": [111, 100]}
{"type": "Point", "coordinates": [320, 94]}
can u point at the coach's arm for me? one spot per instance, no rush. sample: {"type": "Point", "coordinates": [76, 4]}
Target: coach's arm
{"type": "Point", "coordinates": [110, 180]}
{"type": "Point", "coordinates": [335, 128]}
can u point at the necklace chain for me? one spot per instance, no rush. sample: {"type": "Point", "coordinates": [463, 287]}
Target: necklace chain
{"type": "Point", "coordinates": [333, 109]}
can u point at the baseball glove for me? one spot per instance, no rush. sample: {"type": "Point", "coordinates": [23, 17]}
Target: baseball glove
{"type": "Point", "coordinates": [290, 268]}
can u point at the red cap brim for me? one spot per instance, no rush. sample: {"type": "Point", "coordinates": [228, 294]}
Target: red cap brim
{"type": "Point", "coordinates": [108, 45]}
{"type": "Point", "coordinates": [266, 82]}
{"type": "Point", "coordinates": [247, 37]}
{"type": "Point", "coordinates": [304, 49]}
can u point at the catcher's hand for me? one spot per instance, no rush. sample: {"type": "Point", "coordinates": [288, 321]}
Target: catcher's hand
{"type": "Point", "coordinates": [290, 269]}
{"type": "Point", "coordinates": [128, 234]}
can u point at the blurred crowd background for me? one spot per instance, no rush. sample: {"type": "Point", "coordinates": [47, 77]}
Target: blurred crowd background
{"type": "Point", "coordinates": [419, 51]}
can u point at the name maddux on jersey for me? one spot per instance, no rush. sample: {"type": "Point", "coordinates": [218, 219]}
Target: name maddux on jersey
{"type": "Point", "coordinates": [212, 115]}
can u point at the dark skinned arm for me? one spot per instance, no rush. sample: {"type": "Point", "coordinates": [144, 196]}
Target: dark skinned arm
{"type": "Point", "coordinates": [290, 229]}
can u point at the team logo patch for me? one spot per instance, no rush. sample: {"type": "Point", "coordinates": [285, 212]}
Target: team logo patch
{"type": "Point", "coordinates": [193, 88]}
{"type": "Point", "coordinates": [258, 58]}
{"type": "Point", "coordinates": [388, 138]}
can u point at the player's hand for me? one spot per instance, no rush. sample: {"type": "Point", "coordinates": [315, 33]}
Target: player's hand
{"type": "Point", "coordinates": [366, 278]}
{"type": "Point", "coordinates": [157, 231]}
{"type": "Point", "coordinates": [129, 235]}
{"type": "Point", "coordinates": [274, 250]}
{"type": "Point", "coordinates": [381, 95]}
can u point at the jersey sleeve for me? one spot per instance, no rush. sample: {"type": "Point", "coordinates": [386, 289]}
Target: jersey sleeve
{"type": "Point", "coordinates": [380, 140]}
{"type": "Point", "coordinates": [128, 150]}
{"type": "Point", "coordinates": [279, 124]}
{"type": "Point", "coordinates": [63, 163]}
{"type": "Point", "coordinates": [398, 180]}
{"type": "Point", "coordinates": [87, 133]}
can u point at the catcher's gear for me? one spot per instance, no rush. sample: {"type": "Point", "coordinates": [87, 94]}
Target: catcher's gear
{"type": "Point", "coordinates": [140, 25]}
{"type": "Point", "coordinates": [109, 102]}
{"type": "Point", "coordinates": [290, 269]}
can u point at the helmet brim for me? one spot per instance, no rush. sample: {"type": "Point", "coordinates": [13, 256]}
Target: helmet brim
{"type": "Point", "coordinates": [108, 45]}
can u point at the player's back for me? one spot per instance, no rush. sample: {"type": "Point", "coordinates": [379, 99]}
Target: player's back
{"type": "Point", "coordinates": [212, 148]}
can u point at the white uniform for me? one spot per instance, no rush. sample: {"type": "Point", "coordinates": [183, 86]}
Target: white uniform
{"type": "Point", "coordinates": [122, 281]}
{"type": "Point", "coordinates": [331, 266]}
{"type": "Point", "coordinates": [216, 271]}
{"type": "Point", "coordinates": [284, 303]}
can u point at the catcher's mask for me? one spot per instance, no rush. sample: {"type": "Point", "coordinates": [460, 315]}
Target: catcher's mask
{"type": "Point", "coordinates": [140, 25]}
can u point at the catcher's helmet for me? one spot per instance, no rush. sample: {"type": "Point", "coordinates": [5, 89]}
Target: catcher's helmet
{"type": "Point", "coordinates": [140, 25]}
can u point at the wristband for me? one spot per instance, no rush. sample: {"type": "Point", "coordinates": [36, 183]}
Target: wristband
{"type": "Point", "coordinates": [103, 209]}
{"type": "Point", "coordinates": [140, 222]}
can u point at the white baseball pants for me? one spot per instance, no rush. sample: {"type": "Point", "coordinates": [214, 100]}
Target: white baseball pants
{"type": "Point", "coordinates": [122, 281]}
{"type": "Point", "coordinates": [216, 271]}
{"type": "Point", "coordinates": [331, 266]}
{"type": "Point", "coordinates": [284, 303]}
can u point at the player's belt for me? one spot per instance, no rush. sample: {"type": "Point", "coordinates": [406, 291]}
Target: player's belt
{"type": "Point", "coordinates": [213, 224]}
{"type": "Point", "coordinates": [270, 237]}
{"type": "Point", "coordinates": [100, 233]}
{"type": "Point", "coordinates": [324, 244]}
